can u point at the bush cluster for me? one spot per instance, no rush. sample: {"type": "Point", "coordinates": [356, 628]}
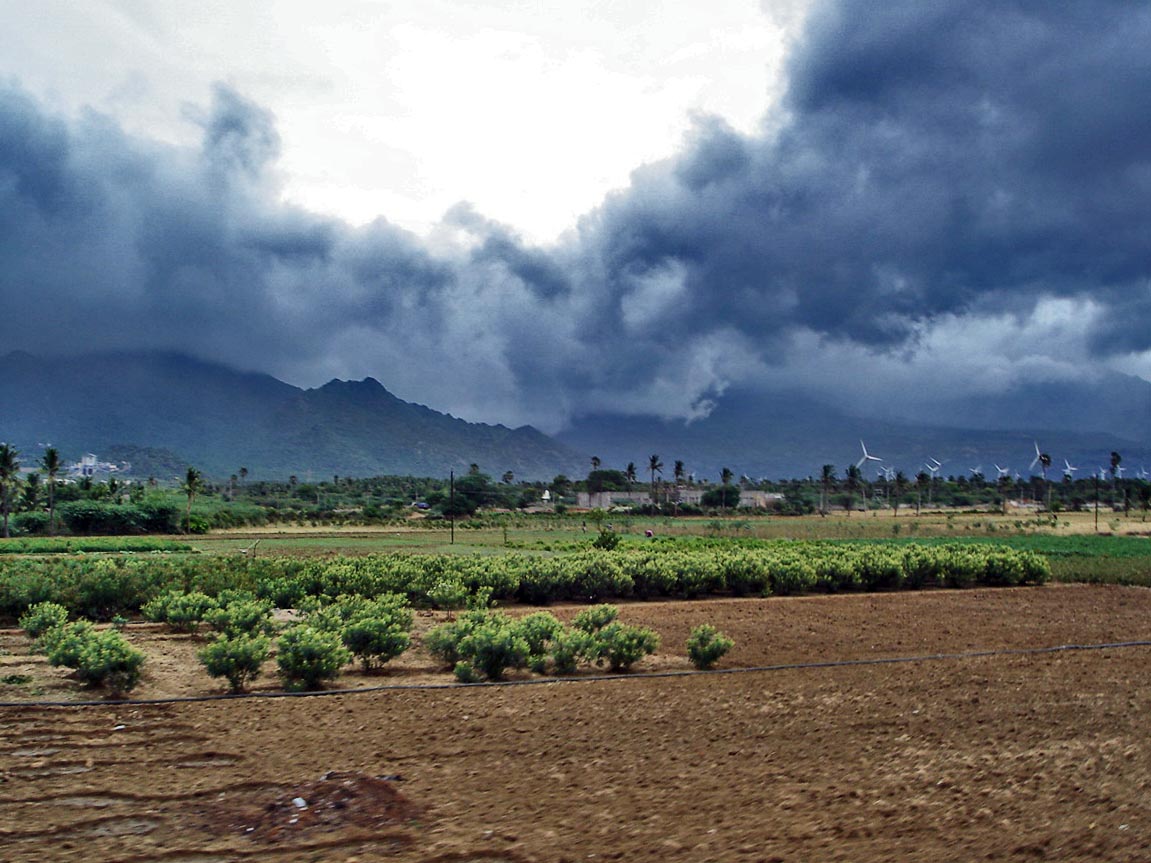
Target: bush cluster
{"type": "Point", "coordinates": [372, 630]}
{"type": "Point", "coordinates": [486, 644]}
{"type": "Point", "coordinates": [99, 657]}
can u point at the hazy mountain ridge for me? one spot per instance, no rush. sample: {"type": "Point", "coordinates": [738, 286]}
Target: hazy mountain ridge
{"type": "Point", "coordinates": [791, 435]}
{"type": "Point", "coordinates": [219, 419]}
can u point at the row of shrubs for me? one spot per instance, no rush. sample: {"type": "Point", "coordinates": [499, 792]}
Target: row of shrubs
{"type": "Point", "coordinates": [90, 544]}
{"type": "Point", "coordinates": [101, 589]}
{"type": "Point", "coordinates": [482, 644]}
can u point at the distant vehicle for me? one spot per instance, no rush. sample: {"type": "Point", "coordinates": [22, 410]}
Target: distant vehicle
{"type": "Point", "coordinates": [422, 505]}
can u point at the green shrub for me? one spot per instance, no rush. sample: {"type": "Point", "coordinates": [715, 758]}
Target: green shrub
{"type": "Point", "coordinates": [448, 594]}
{"type": "Point", "coordinates": [62, 644]}
{"type": "Point", "coordinates": [375, 640]}
{"type": "Point", "coordinates": [568, 648]}
{"type": "Point", "coordinates": [307, 657]}
{"type": "Point", "coordinates": [494, 647]}
{"type": "Point", "coordinates": [236, 657]}
{"type": "Point", "coordinates": [107, 659]}
{"type": "Point", "coordinates": [443, 642]}
{"type": "Point", "coordinates": [43, 616]}
{"type": "Point", "coordinates": [595, 618]}
{"type": "Point", "coordinates": [622, 646]}
{"type": "Point", "coordinates": [241, 617]}
{"type": "Point", "coordinates": [184, 612]}
{"type": "Point", "coordinates": [538, 630]}
{"type": "Point", "coordinates": [706, 646]}
{"type": "Point", "coordinates": [606, 541]}
{"type": "Point", "coordinates": [465, 672]}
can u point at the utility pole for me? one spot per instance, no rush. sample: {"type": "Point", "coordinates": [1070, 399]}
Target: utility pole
{"type": "Point", "coordinates": [452, 504]}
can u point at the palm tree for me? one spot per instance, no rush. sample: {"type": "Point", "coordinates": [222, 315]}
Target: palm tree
{"type": "Point", "coordinates": [900, 488]}
{"type": "Point", "coordinates": [9, 479]}
{"type": "Point", "coordinates": [31, 497]}
{"type": "Point", "coordinates": [851, 484]}
{"type": "Point", "coordinates": [654, 465]}
{"type": "Point", "coordinates": [827, 479]}
{"type": "Point", "coordinates": [725, 477]}
{"type": "Point", "coordinates": [50, 464]}
{"type": "Point", "coordinates": [630, 474]}
{"type": "Point", "coordinates": [678, 471]}
{"type": "Point", "coordinates": [1045, 464]}
{"type": "Point", "coordinates": [595, 462]}
{"type": "Point", "coordinates": [193, 484]}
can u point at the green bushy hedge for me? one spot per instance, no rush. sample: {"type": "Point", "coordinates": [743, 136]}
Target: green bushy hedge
{"type": "Point", "coordinates": [104, 588]}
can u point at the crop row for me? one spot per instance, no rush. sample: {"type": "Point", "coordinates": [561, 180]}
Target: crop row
{"type": "Point", "coordinates": [101, 589]}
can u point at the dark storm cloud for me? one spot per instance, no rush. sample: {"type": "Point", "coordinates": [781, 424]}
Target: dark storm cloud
{"type": "Point", "coordinates": [938, 155]}
{"type": "Point", "coordinates": [932, 160]}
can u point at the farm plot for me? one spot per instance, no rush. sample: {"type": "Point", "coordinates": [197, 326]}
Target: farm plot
{"type": "Point", "coordinates": [1010, 757]}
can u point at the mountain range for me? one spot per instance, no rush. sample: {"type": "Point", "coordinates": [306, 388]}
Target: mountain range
{"type": "Point", "coordinates": [164, 409]}
{"type": "Point", "coordinates": [220, 419]}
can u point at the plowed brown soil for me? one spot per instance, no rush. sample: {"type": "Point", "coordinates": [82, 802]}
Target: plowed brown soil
{"type": "Point", "coordinates": [1008, 757]}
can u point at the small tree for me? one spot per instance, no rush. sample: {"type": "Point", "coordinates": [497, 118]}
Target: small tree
{"type": "Point", "coordinates": [41, 617]}
{"type": "Point", "coordinates": [238, 658]}
{"type": "Point", "coordinates": [193, 484]}
{"type": "Point", "coordinates": [376, 640]}
{"type": "Point", "coordinates": [622, 646]}
{"type": "Point", "coordinates": [307, 657]}
{"type": "Point", "coordinates": [9, 480]}
{"type": "Point", "coordinates": [706, 646]}
{"type": "Point", "coordinates": [50, 464]}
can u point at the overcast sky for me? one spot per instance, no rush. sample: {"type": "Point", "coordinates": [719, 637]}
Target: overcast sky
{"type": "Point", "coordinates": [522, 211]}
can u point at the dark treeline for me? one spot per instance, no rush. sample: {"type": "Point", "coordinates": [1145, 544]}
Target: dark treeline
{"type": "Point", "coordinates": [121, 506]}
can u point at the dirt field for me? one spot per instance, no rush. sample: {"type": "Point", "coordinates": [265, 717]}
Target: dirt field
{"type": "Point", "coordinates": [1010, 757]}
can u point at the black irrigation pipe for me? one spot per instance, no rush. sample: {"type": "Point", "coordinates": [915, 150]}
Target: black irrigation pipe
{"type": "Point", "coordinates": [550, 681]}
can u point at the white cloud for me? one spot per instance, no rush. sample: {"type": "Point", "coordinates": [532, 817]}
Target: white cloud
{"type": "Point", "coordinates": [530, 112]}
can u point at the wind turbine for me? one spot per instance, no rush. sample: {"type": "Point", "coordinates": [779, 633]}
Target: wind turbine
{"type": "Point", "coordinates": [1143, 473]}
{"type": "Point", "coordinates": [1068, 469]}
{"type": "Point", "coordinates": [866, 455]}
{"type": "Point", "coordinates": [1003, 471]}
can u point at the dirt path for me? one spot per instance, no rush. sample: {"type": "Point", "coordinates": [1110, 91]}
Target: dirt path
{"type": "Point", "coordinates": [999, 758]}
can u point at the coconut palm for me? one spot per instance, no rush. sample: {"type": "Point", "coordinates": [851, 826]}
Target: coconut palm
{"type": "Point", "coordinates": [678, 471]}
{"type": "Point", "coordinates": [850, 484]}
{"type": "Point", "coordinates": [725, 477]}
{"type": "Point", "coordinates": [901, 484]}
{"type": "Point", "coordinates": [827, 480]}
{"type": "Point", "coordinates": [9, 479]}
{"type": "Point", "coordinates": [50, 463]}
{"type": "Point", "coordinates": [193, 485]}
{"type": "Point", "coordinates": [630, 475]}
{"type": "Point", "coordinates": [654, 465]}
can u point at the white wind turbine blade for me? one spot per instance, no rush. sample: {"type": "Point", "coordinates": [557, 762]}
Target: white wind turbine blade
{"type": "Point", "coordinates": [866, 455]}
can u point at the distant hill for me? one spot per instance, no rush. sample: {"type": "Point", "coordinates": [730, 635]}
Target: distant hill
{"type": "Point", "coordinates": [161, 410]}
{"type": "Point", "coordinates": [218, 419]}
